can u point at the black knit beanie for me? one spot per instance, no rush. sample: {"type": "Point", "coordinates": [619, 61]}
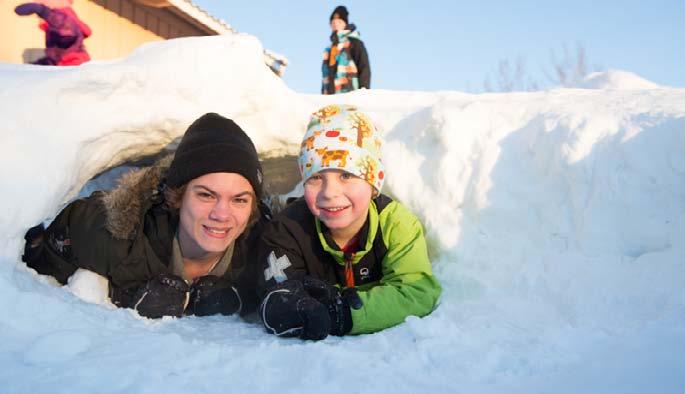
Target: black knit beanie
{"type": "Point", "coordinates": [341, 12]}
{"type": "Point", "coordinates": [215, 144]}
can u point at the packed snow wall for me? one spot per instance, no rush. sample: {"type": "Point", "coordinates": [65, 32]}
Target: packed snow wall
{"type": "Point", "coordinates": [555, 221]}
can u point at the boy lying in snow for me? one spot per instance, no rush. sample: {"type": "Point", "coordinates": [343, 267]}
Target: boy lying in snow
{"type": "Point", "coordinates": [172, 239]}
{"type": "Point", "coordinates": [344, 259]}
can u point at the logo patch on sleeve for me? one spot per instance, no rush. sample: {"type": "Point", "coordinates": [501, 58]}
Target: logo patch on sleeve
{"type": "Point", "coordinates": [276, 267]}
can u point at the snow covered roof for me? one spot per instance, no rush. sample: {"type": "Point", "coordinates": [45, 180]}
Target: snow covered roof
{"type": "Point", "coordinates": [193, 13]}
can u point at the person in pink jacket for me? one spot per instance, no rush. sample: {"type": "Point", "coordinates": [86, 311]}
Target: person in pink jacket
{"type": "Point", "coordinates": [64, 32]}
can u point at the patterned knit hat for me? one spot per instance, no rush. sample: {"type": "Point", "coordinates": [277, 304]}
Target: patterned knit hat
{"type": "Point", "coordinates": [340, 137]}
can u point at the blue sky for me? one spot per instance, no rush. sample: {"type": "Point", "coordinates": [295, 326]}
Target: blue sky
{"type": "Point", "coordinates": [453, 45]}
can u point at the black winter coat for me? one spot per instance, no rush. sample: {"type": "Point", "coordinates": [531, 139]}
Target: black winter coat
{"type": "Point", "coordinates": [126, 235]}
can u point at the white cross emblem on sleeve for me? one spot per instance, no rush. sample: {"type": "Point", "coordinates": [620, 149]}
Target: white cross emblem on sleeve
{"type": "Point", "coordinates": [276, 267]}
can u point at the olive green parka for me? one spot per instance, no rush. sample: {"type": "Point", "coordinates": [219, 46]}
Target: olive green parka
{"type": "Point", "coordinates": [126, 235]}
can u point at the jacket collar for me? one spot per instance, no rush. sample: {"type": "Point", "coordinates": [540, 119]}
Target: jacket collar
{"type": "Point", "coordinates": [344, 35]}
{"type": "Point", "coordinates": [126, 205]}
{"type": "Point", "coordinates": [366, 236]}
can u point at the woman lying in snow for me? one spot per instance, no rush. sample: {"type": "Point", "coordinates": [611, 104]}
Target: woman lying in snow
{"type": "Point", "coordinates": [175, 238]}
{"type": "Point", "coordinates": [64, 32]}
{"type": "Point", "coordinates": [344, 259]}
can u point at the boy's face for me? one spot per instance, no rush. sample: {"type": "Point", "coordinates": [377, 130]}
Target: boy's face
{"type": "Point", "coordinates": [339, 199]}
{"type": "Point", "coordinates": [214, 211]}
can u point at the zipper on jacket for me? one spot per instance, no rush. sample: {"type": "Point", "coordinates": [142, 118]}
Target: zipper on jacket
{"type": "Point", "coordinates": [349, 272]}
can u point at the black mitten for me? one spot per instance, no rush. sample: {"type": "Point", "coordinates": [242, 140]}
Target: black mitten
{"type": "Point", "coordinates": [34, 239]}
{"type": "Point", "coordinates": [287, 310]}
{"type": "Point", "coordinates": [338, 303]}
{"type": "Point", "coordinates": [211, 295]}
{"type": "Point", "coordinates": [165, 295]}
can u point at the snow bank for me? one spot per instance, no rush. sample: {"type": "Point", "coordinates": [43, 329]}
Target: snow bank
{"type": "Point", "coordinates": [616, 79]}
{"type": "Point", "coordinates": [555, 221]}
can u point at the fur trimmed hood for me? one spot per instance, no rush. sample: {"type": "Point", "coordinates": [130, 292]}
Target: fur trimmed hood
{"type": "Point", "coordinates": [125, 204]}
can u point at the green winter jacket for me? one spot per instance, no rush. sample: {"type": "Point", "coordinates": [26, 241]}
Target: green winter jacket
{"type": "Point", "coordinates": [392, 272]}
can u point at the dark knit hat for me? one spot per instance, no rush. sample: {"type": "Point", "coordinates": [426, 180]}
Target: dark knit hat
{"type": "Point", "coordinates": [215, 144]}
{"type": "Point", "coordinates": [341, 12]}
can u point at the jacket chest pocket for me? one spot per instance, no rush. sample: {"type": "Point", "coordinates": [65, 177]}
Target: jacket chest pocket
{"type": "Point", "coordinates": [367, 271]}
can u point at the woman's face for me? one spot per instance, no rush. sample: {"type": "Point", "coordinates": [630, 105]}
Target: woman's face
{"type": "Point", "coordinates": [214, 211]}
{"type": "Point", "coordinates": [338, 24]}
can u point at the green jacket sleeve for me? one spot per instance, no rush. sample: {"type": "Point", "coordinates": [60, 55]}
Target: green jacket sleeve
{"type": "Point", "coordinates": [408, 287]}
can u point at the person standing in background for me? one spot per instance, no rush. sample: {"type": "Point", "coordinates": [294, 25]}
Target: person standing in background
{"type": "Point", "coordinates": [64, 32]}
{"type": "Point", "coordinates": [345, 62]}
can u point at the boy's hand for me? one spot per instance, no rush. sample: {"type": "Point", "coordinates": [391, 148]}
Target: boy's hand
{"type": "Point", "coordinates": [338, 303]}
{"type": "Point", "coordinates": [287, 310]}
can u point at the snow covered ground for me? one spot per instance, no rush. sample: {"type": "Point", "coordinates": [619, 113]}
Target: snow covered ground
{"type": "Point", "coordinates": [556, 222]}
